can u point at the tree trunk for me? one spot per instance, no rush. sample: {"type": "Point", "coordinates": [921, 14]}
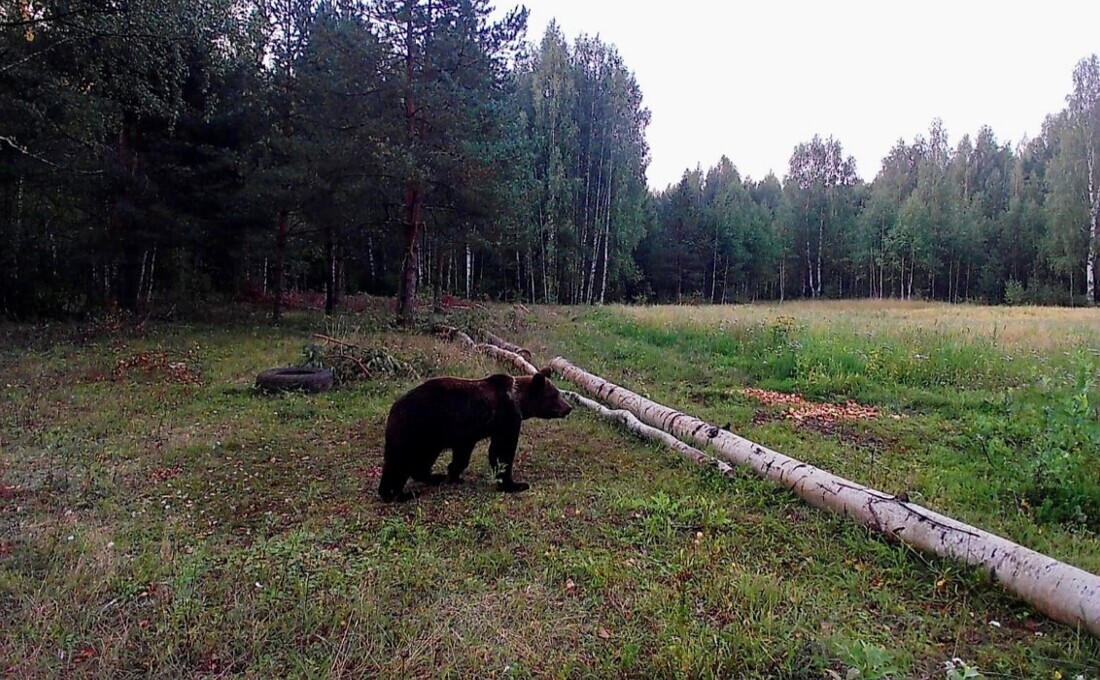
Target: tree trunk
{"type": "Point", "coordinates": [469, 272]}
{"type": "Point", "coordinates": [437, 285]}
{"type": "Point", "coordinates": [341, 275]}
{"type": "Point", "coordinates": [410, 266]}
{"type": "Point", "coordinates": [519, 276]}
{"type": "Point", "coordinates": [13, 271]}
{"type": "Point", "coordinates": [370, 263]}
{"type": "Point", "coordinates": [820, 248]}
{"type": "Point", "coordinates": [679, 278]}
{"type": "Point", "coordinates": [450, 279]}
{"type": "Point", "coordinates": [330, 271]}
{"type": "Point", "coordinates": [280, 260]}
{"type": "Point", "coordinates": [782, 277]}
{"type": "Point", "coordinates": [1061, 591]}
{"type": "Point", "coordinates": [531, 276]}
{"type": "Point", "coordinates": [591, 287]}
{"type": "Point", "coordinates": [141, 277]}
{"type": "Point", "coordinates": [809, 269]}
{"type": "Point", "coordinates": [549, 267]}
{"type": "Point", "coordinates": [603, 279]}
{"type": "Point", "coordinates": [725, 279]}
{"type": "Point", "coordinates": [152, 277]}
{"type": "Point", "coordinates": [1094, 225]}
{"type": "Point", "coordinates": [406, 288]}
{"type": "Point", "coordinates": [901, 282]}
{"type": "Point", "coordinates": [714, 266]}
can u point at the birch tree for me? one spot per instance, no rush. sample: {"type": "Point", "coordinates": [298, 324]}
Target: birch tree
{"type": "Point", "coordinates": [1084, 143]}
{"type": "Point", "coordinates": [818, 179]}
{"type": "Point", "coordinates": [552, 90]}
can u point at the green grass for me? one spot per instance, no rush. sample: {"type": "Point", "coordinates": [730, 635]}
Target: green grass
{"type": "Point", "coordinates": [155, 526]}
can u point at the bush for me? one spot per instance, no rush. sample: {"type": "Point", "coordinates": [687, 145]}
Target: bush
{"type": "Point", "coordinates": [1015, 293]}
{"type": "Point", "coordinates": [1064, 486]}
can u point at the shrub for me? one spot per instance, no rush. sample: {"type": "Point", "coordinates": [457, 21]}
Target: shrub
{"type": "Point", "coordinates": [1064, 486]}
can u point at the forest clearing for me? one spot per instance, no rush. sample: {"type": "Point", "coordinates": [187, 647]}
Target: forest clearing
{"type": "Point", "coordinates": [160, 516]}
{"type": "Point", "coordinates": [202, 202]}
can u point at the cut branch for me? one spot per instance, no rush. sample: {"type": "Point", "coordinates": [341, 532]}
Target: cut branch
{"type": "Point", "coordinates": [326, 338]}
{"type": "Point", "coordinates": [1061, 591]}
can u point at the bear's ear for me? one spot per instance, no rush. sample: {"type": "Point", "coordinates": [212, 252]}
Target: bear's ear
{"type": "Point", "coordinates": [538, 381]}
{"type": "Point", "coordinates": [547, 372]}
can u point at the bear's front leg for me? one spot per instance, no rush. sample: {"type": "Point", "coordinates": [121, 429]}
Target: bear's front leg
{"type": "Point", "coordinates": [502, 454]}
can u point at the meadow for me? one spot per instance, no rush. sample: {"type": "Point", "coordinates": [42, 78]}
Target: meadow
{"type": "Point", "coordinates": [160, 517]}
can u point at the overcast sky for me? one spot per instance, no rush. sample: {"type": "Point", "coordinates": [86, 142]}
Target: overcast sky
{"type": "Point", "coordinates": [753, 79]}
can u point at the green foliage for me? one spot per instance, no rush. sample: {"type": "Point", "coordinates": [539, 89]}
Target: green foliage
{"type": "Point", "coordinates": [585, 130]}
{"type": "Point", "coordinates": [352, 363]}
{"type": "Point", "coordinates": [867, 661]}
{"type": "Point", "coordinates": [1015, 294]}
{"type": "Point", "coordinates": [1065, 487]}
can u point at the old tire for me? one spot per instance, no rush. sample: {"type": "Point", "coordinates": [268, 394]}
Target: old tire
{"type": "Point", "coordinates": [295, 378]}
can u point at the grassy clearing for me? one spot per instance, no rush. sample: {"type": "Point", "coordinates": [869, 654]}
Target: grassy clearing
{"type": "Point", "coordinates": [155, 524]}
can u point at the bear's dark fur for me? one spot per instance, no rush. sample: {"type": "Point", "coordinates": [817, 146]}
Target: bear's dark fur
{"type": "Point", "coordinates": [453, 413]}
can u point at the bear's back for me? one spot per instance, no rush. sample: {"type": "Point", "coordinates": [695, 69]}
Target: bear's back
{"type": "Point", "coordinates": [444, 411]}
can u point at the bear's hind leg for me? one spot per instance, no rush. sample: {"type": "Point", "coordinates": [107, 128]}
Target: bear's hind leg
{"type": "Point", "coordinates": [430, 478]}
{"type": "Point", "coordinates": [423, 472]}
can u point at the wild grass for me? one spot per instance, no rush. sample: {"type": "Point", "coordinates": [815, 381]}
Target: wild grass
{"type": "Point", "coordinates": [1025, 328]}
{"type": "Point", "coordinates": [155, 526]}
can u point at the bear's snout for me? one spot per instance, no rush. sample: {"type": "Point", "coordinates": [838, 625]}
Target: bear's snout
{"type": "Point", "coordinates": [564, 409]}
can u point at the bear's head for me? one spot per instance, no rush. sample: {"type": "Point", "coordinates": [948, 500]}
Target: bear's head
{"type": "Point", "coordinates": [538, 398]}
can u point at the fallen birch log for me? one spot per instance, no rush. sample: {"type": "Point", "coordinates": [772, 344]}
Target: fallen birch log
{"type": "Point", "coordinates": [502, 355]}
{"type": "Point", "coordinates": [500, 342]}
{"type": "Point", "coordinates": [622, 416]}
{"type": "Point", "coordinates": [1061, 591]}
{"type": "Point", "coordinates": [631, 423]}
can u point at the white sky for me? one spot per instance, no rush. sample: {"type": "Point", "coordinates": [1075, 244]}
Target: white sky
{"type": "Point", "coordinates": [753, 79]}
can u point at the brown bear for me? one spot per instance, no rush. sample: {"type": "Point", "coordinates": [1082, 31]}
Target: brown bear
{"type": "Point", "coordinates": [453, 413]}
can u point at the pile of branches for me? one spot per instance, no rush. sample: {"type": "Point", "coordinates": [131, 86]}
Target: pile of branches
{"type": "Point", "coordinates": [349, 362]}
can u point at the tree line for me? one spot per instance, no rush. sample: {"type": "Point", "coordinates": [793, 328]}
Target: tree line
{"type": "Point", "coordinates": [159, 151]}
{"type": "Point", "coordinates": [977, 221]}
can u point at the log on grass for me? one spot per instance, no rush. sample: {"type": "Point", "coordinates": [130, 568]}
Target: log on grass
{"type": "Point", "coordinates": [502, 355]}
{"type": "Point", "coordinates": [500, 342]}
{"type": "Point", "coordinates": [626, 418]}
{"type": "Point", "coordinates": [1063, 592]}
{"type": "Point", "coordinates": [631, 423]}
